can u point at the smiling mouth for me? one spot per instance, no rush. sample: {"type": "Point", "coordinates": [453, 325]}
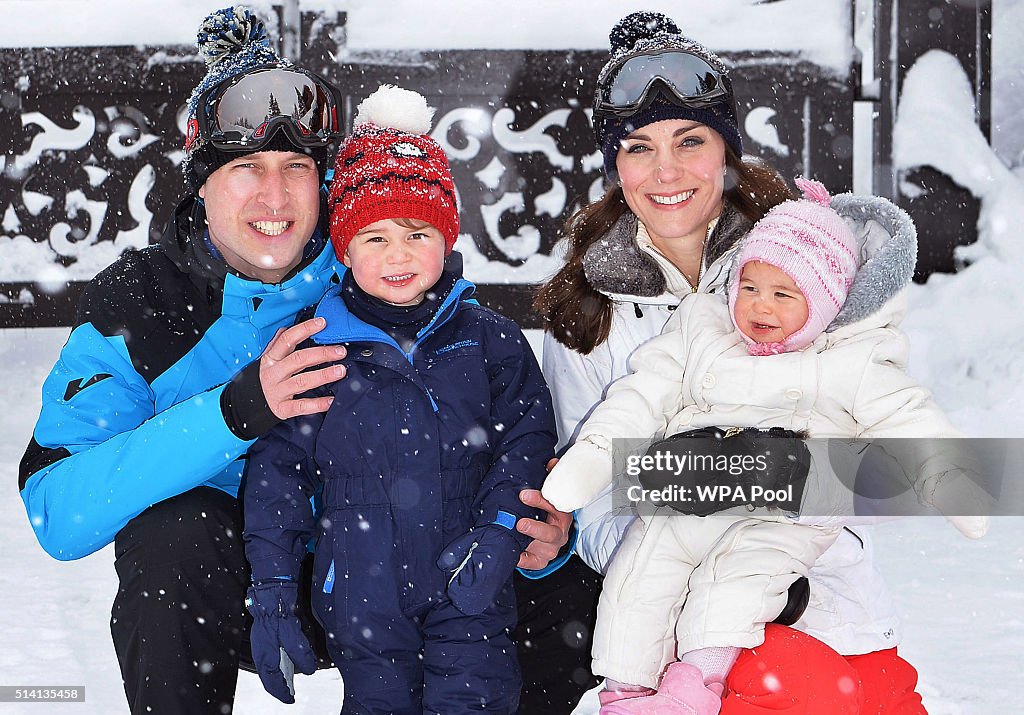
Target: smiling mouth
{"type": "Point", "coordinates": [674, 199]}
{"type": "Point", "coordinates": [399, 279]}
{"type": "Point", "coordinates": [271, 228]}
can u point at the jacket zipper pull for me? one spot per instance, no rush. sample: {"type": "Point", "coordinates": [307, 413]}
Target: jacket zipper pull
{"type": "Point", "coordinates": [636, 309]}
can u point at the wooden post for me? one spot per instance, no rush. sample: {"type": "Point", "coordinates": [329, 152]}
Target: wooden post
{"type": "Point", "coordinates": [946, 214]}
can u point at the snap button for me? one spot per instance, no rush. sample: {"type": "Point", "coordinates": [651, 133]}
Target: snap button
{"type": "Point", "coordinates": [794, 394]}
{"type": "Point", "coordinates": [709, 380]}
{"type": "Point", "coordinates": [366, 352]}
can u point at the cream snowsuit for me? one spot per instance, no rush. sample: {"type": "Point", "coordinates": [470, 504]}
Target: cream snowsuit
{"type": "Point", "coordinates": [678, 583]}
{"type": "Point", "coordinates": [850, 608]}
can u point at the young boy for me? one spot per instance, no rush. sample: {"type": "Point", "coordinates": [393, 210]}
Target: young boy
{"type": "Point", "coordinates": [688, 592]}
{"type": "Point", "coordinates": [442, 419]}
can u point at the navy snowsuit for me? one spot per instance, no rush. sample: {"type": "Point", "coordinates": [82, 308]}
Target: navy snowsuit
{"type": "Point", "coordinates": [417, 448]}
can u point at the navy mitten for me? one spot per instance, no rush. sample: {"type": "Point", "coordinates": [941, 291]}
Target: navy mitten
{"type": "Point", "coordinates": [279, 646]}
{"type": "Point", "coordinates": [481, 563]}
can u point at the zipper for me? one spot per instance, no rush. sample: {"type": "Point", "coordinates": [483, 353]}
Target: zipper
{"type": "Point", "coordinates": [700, 264]}
{"type": "Point", "coordinates": [458, 569]}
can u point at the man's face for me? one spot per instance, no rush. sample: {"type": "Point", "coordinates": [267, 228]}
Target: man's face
{"type": "Point", "coordinates": [261, 210]}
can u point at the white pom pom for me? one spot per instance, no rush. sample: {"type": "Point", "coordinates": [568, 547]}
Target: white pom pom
{"type": "Point", "coordinates": [398, 108]}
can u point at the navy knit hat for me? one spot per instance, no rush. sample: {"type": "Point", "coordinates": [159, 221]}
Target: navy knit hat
{"type": "Point", "coordinates": [646, 32]}
{"type": "Point", "coordinates": [233, 41]}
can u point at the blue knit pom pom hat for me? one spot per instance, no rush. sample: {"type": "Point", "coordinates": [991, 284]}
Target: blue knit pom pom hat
{"type": "Point", "coordinates": [645, 33]}
{"type": "Point", "coordinates": [233, 42]}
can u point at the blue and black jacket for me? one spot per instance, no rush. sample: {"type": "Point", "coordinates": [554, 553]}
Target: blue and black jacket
{"type": "Point", "coordinates": [138, 407]}
{"type": "Point", "coordinates": [418, 446]}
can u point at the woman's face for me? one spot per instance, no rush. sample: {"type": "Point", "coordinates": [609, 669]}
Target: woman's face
{"type": "Point", "coordinates": [673, 177]}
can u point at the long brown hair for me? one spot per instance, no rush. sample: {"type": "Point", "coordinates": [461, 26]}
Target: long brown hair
{"type": "Point", "coordinates": [579, 316]}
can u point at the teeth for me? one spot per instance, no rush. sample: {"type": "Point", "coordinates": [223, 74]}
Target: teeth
{"type": "Point", "coordinates": [271, 228]}
{"type": "Point", "coordinates": [672, 200]}
{"type": "Point", "coordinates": [398, 279]}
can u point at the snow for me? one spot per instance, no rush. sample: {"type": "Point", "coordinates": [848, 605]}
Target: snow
{"type": "Point", "coordinates": [1008, 76]}
{"type": "Point", "coordinates": [960, 600]}
{"type": "Point", "coordinates": [458, 24]}
{"type": "Point", "coordinates": [975, 361]}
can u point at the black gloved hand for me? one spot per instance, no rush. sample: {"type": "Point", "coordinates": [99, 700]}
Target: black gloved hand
{"type": "Point", "coordinates": [714, 469]}
{"type": "Point", "coordinates": [787, 463]}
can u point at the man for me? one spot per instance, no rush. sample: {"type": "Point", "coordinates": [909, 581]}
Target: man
{"type": "Point", "coordinates": [181, 356]}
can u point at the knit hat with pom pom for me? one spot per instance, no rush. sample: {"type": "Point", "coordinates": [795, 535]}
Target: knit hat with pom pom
{"type": "Point", "coordinates": [233, 42]}
{"type": "Point", "coordinates": [811, 243]}
{"type": "Point", "coordinates": [646, 33]}
{"type": "Point", "coordinates": [389, 168]}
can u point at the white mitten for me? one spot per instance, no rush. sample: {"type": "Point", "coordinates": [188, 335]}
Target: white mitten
{"type": "Point", "coordinates": [967, 506]}
{"type": "Point", "coordinates": [580, 476]}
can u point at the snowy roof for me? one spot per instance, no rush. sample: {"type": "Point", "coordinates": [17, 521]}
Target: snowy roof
{"type": "Point", "coordinates": [815, 29]}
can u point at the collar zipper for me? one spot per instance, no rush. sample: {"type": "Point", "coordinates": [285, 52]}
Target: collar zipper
{"type": "Point", "coordinates": [700, 265]}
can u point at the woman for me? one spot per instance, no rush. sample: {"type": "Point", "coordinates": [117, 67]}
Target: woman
{"type": "Point", "coordinates": [665, 119]}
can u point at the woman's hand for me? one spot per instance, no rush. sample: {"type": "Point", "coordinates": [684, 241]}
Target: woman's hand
{"type": "Point", "coordinates": [549, 536]}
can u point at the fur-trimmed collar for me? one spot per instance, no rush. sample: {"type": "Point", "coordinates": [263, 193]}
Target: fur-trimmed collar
{"type": "Point", "coordinates": [614, 264]}
{"type": "Point", "coordinates": [888, 248]}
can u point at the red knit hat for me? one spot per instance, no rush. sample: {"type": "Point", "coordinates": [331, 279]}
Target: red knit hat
{"type": "Point", "coordinates": [390, 167]}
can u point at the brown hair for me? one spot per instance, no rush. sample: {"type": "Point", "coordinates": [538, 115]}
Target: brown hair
{"type": "Point", "coordinates": [413, 223]}
{"type": "Point", "coordinates": [579, 316]}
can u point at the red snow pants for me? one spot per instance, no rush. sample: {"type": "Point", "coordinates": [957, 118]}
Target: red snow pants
{"type": "Point", "coordinates": [792, 673]}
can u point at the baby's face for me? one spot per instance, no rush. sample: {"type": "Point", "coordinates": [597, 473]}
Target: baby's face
{"type": "Point", "coordinates": [769, 307]}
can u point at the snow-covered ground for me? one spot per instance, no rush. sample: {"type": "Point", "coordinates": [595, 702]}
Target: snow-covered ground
{"type": "Point", "coordinates": [961, 600]}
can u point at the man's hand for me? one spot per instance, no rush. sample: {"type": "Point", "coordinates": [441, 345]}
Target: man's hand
{"type": "Point", "coordinates": [549, 536]}
{"type": "Point", "coordinates": [282, 366]}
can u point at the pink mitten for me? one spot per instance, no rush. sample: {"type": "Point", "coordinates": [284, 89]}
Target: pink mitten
{"type": "Point", "coordinates": [682, 692]}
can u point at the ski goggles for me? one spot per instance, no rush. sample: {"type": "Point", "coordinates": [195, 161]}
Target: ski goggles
{"type": "Point", "coordinates": [245, 112]}
{"type": "Point", "coordinates": [689, 80]}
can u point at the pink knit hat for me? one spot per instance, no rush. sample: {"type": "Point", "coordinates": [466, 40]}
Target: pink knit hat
{"type": "Point", "coordinates": [811, 244]}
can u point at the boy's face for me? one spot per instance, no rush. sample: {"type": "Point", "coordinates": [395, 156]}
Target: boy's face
{"type": "Point", "coordinates": [394, 263]}
{"type": "Point", "coordinates": [769, 307]}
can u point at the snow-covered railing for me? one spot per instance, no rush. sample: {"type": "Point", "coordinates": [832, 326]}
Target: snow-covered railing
{"type": "Point", "coordinates": [92, 140]}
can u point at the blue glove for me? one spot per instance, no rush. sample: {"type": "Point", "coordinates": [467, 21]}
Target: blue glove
{"type": "Point", "coordinates": [278, 645]}
{"type": "Point", "coordinates": [481, 563]}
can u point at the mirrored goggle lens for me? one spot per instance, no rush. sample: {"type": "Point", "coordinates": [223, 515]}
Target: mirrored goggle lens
{"type": "Point", "coordinates": [688, 76]}
{"type": "Point", "coordinates": [245, 109]}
